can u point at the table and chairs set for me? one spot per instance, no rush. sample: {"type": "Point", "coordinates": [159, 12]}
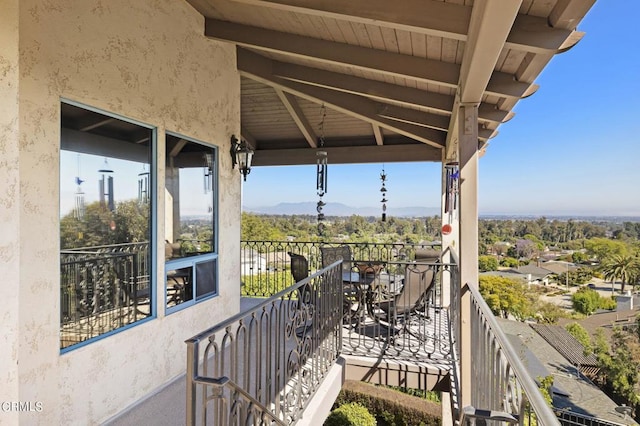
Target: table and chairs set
{"type": "Point", "coordinates": [390, 294]}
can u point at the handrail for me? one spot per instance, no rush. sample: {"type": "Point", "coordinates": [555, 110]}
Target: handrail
{"type": "Point", "coordinates": [544, 413]}
{"type": "Point", "coordinates": [206, 333]}
{"type": "Point", "coordinates": [226, 381]}
{"type": "Point", "coordinates": [278, 353]}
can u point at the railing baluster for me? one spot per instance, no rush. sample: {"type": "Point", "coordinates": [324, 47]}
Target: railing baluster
{"type": "Point", "coordinates": [277, 385]}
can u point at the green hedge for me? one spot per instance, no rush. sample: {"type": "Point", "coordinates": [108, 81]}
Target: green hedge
{"type": "Point", "coordinates": [351, 414]}
{"type": "Point", "coordinates": [387, 413]}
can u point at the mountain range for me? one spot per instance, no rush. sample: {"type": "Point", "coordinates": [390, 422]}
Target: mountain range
{"type": "Point", "coordinates": [339, 209]}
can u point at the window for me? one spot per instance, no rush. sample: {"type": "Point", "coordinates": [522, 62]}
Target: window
{"type": "Point", "coordinates": [106, 193]}
{"type": "Point", "coordinates": [190, 221]}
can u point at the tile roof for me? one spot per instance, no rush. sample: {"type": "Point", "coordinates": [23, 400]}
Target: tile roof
{"type": "Point", "coordinates": [584, 397]}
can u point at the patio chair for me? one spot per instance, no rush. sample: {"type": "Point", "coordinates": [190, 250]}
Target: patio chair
{"type": "Point", "coordinates": [350, 289]}
{"type": "Point", "coordinates": [300, 271]}
{"type": "Point", "coordinates": [411, 302]}
{"type": "Point", "coordinates": [332, 254]}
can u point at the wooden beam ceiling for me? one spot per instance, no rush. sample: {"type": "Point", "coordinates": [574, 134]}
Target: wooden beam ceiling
{"type": "Point", "coordinates": [384, 62]}
{"type": "Point", "coordinates": [436, 18]}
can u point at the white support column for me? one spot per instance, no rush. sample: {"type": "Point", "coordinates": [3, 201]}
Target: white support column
{"type": "Point", "coordinates": [468, 228]}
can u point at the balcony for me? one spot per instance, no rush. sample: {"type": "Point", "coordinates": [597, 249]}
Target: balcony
{"type": "Point", "coordinates": [272, 362]}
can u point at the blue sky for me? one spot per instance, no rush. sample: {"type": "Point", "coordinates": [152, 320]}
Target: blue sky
{"type": "Point", "coordinates": [572, 148]}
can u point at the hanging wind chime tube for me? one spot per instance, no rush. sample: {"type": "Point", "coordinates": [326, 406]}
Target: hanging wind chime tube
{"type": "Point", "coordinates": [105, 187]}
{"type": "Point", "coordinates": [321, 175]}
{"type": "Point", "coordinates": [452, 187]}
{"type": "Point", "coordinates": [79, 209]}
{"type": "Point", "coordinates": [143, 186]}
{"type": "Point", "coordinates": [383, 178]}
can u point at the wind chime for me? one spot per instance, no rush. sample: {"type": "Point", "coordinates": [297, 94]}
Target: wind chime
{"type": "Point", "coordinates": [143, 186]}
{"type": "Point", "coordinates": [208, 177]}
{"type": "Point", "coordinates": [79, 209]}
{"type": "Point", "coordinates": [105, 187]}
{"type": "Point", "coordinates": [452, 187]}
{"type": "Point", "coordinates": [383, 178]}
{"type": "Point", "coordinates": [321, 174]}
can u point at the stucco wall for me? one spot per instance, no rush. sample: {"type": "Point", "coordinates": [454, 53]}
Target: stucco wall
{"type": "Point", "coordinates": [149, 61]}
{"type": "Point", "coordinates": [9, 206]}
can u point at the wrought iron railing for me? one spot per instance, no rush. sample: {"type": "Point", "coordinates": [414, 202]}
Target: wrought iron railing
{"type": "Point", "coordinates": [265, 364]}
{"type": "Point", "coordinates": [102, 289]}
{"type": "Point", "coordinates": [265, 264]}
{"type": "Point", "coordinates": [399, 312]}
{"type": "Point", "coordinates": [501, 389]}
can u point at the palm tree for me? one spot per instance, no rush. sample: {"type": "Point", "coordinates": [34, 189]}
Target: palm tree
{"type": "Point", "coordinates": [620, 266]}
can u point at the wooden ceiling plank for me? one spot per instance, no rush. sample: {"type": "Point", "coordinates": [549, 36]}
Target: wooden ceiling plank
{"type": "Point", "coordinates": [249, 138]}
{"type": "Point", "coordinates": [435, 18]}
{"type": "Point", "coordinates": [385, 92]}
{"type": "Point", "coordinates": [419, 118]}
{"type": "Point", "coordinates": [257, 67]}
{"type": "Point", "coordinates": [297, 115]}
{"type": "Point", "coordinates": [390, 63]}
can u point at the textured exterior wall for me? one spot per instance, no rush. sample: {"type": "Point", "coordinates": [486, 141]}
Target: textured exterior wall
{"type": "Point", "coordinates": [9, 206]}
{"type": "Point", "coordinates": [146, 60]}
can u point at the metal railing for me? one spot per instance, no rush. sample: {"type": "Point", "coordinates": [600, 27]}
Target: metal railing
{"type": "Point", "coordinates": [102, 289]}
{"type": "Point", "coordinates": [265, 364]}
{"type": "Point", "coordinates": [501, 388]}
{"type": "Point", "coordinates": [399, 313]}
{"type": "Point", "coordinates": [265, 264]}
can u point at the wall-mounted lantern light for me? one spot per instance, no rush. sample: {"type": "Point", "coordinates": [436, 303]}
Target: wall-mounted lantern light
{"type": "Point", "coordinates": [241, 155]}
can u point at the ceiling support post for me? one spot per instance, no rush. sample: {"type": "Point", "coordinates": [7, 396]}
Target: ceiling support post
{"type": "Point", "coordinates": [468, 231]}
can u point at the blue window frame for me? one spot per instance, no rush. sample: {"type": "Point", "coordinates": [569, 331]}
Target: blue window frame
{"type": "Point", "coordinates": [191, 210]}
{"type": "Point", "coordinates": [107, 174]}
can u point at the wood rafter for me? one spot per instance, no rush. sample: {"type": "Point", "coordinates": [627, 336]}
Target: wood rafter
{"type": "Point", "coordinates": [296, 113]}
{"type": "Point", "coordinates": [447, 20]}
{"type": "Point", "coordinates": [259, 68]}
{"type": "Point", "coordinates": [384, 62]}
{"type": "Point", "coordinates": [490, 24]}
{"type": "Point", "coordinates": [346, 155]}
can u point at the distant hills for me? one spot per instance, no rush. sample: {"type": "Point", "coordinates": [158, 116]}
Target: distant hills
{"type": "Point", "coordinates": [339, 209]}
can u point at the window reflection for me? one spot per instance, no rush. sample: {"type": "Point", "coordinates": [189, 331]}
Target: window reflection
{"type": "Point", "coordinates": [105, 230]}
{"type": "Point", "coordinates": [190, 208]}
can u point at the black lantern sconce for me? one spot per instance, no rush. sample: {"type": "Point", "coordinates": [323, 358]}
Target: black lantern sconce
{"type": "Point", "coordinates": [241, 155]}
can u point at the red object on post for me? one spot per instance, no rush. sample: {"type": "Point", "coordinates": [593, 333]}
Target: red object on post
{"type": "Point", "coordinates": [446, 229]}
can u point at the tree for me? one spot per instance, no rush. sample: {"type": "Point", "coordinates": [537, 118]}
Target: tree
{"type": "Point", "coordinates": [510, 262]}
{"type": "Point", "coordinates": [620, 365]}
{"type": "Point", "coordinates": [580, 334]}
{"type": "Point", "coordinates": [585, 301]}
{"type": "Point", "coordinates": [548, 313]}
{"type": "Point", "coordinates": [619, 266]}
{"type": "Point", "coordinates": [506, 297]}
{"type": "Point", "coordinates": [601, 248]}
{"type": "Point", "coordinates": [487, 263]}
{"type": "Point", "coordinates": [579, 257]}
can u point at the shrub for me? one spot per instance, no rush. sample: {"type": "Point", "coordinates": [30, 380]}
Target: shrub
{"type": "Point", "coordinates": [580, 333]}
{"type": "Point", "coordinates": [586, 301]}
{"type": "Point", "coordinates": [487, 263]}
{"type": "Point", "coordinates": [390, 412]}
{"type": "Point", "coordinates": [608, 303]}
{"type": "Point", "coordinates": [350, 414]}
